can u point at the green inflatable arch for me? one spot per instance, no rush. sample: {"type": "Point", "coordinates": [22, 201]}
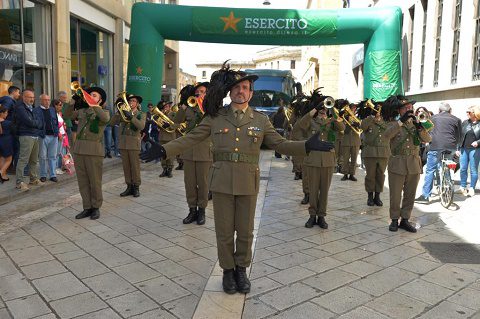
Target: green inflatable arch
{"type": "Point", "coordinates": [379, 29]}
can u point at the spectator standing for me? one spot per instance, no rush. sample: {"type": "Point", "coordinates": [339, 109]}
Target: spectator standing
{"type": "Point", "coordinates": [469, 151]}
{"type": "Point", "coordinates": [107, 135]}
{"type": "Point", "coordinates": [62, 136]}
{"type": "Point", "coordinates": [48, 139]}
{"type": "Point", "coordinates": [29, 127]}
{"type": "Point", "coordinates": [6, 144]}
{"type": "Point", "coordinates": [445, 137]}
{"type": "Point", "coordinates": [9, 101]}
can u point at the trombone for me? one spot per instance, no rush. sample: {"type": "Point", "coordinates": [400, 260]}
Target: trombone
{"type": "Point", "coordinates": [371, 106]}
{"type": "Point", "coordinates": [351, 119]}
{"type": "Point", "coordinates": [161, 118]}
{"type": "Point", "coordinates": [123, 106]}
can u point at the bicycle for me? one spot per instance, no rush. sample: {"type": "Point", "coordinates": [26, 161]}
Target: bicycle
{"type": "Point", "coordinates": [443, 179]}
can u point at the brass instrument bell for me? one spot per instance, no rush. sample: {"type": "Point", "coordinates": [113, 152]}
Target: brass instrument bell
{"type": "Point", "coordinates": [161, 118]}
{"type": "Point", "coordinates": [123, 106]}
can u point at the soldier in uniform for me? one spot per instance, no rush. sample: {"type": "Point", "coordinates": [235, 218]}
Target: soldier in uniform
{"type": "Point", "coordinates": [375, 153]}
{"type": "Point", "coordinates": [319, 165]}
{"type": "Point", "coordinates": [349, 148]}
{"type": "Point", "coordinates": [300, 171]}
{"type": "Point", "coordinates": [197, 160]}
{"type": "Point", "coordinates": [404, 164]}
{"type": "Point", "coordinates": [164, 137]}
{"type": "Point", "coordinates": [88, 150]}
{"type": "Point", "coordinates": [237, 133]}
{"type": "Point", "coordinates": [130, 143]}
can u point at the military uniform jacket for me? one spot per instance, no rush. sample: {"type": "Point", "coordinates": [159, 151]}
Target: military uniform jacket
{"type": "Point", "coordinates": [375, 142]}
{"type": "Point", "coordinates": [164, 136]}
{"type": "Point", "coordinates": [326, 127]}
{"type": "Point", "coordinates": [297, 133]}
{"type": "Point", "coordinates": [236, 148]}
{"type": "Point", "coordinates": [130, 133]}
{"type": "Point", "coordinates": [350, 138]}
{"type": "Point", "coordinates": [202, 152]}
{"type": "Point", "coordinates": [91, 124]}
{"type": "Point", "coordinates": [404, 145]}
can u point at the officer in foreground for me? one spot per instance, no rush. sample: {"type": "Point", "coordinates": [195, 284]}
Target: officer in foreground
{"type": "Point", "coordinates": [237, 132]}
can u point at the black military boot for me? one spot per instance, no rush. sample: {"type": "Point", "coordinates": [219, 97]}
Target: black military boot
{"type": "Point", "coordinates": [404, 224]}
{"type": "Point", "coordinates": [312, 220]}
{"type": "Point", "coordinates": [84, 213]}
{"type": "Point", "coordinates": [370, 201]}
{"type": "Point", "coordinates": [169, 172]}
{"type": "Point", "coordinates": [344, 178]}
{"type": "Point", "coordinates": [322, 223]}
{"type": "Point", "coordinates": [179, 167]}
{"type": "Point", "coordinates": [128, 191]}
{"type": "Point", "coordinates": [297, 176]}
{"type": "Point", "coordinates": [210, 195]}
{"type": "Point", "coordinates": [243, 284]}
{"type": "Point", "coordinates": [352, 178]}
{"type": "Point", "coordinates": [228, 282]}
{"type": "Point", "coordinates": [201, 216]}
{"type": "Point", "coordinates": [164, 173]}
{"type": "Point", "coordinates": [135, 190]}
{"type": "Point", "coordinates": [301, 175]}
{"type": "Point", "coordinates": [192, 216]}
{"type": "Point", "coordinates": [393, 225]}
{"type": "Point", "coordinates": [95, 213]}
{"type": "Point", "coordinates": [305, 199]}
{"type": "Point", "coordinates": [377, 200]}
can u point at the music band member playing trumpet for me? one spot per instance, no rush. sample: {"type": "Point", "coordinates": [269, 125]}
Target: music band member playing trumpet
{"type": "Point", "coordinates": [167, 134]}
{"type": "Point", "coordinates": [375, 149]}
{"type": "Point", "coordinates": [132, 122]}
{"type": "Point", "coordinates": [197, 160]}
{"type": "Point", "coordinates": [404, 164]}
{"type": "Point", "coordinates": [320, 165]}
{"type": "Point", "coordinates": [350, 146]}
{"type": "Point", "coordinates": [87, 150]}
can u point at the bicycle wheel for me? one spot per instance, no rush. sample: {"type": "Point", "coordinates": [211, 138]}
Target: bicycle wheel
{"type": "Point", "coordinates": [446, 187]}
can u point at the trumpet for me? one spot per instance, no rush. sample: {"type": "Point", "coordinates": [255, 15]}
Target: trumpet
{"type": "Point", "coordinates": [123, 106]}
{"type": "Point", "coordinates": [161, 118]}
{"type": "Point", "coordinates": [371, 106]}
{"type": "Point", "coordinates": [87, 98]}
{"type": "Point", "coordinates": [329, 103]}
{"type": "Point", "coordinates": [351, 119]}
{"type": "Point", "coordinates": [194, 101]}
{"type": "Point", "coordinates": [425, 119]}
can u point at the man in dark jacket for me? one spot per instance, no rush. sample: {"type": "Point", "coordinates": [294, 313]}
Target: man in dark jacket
{"type": "Point", "coordinates": [48, 142]}
{"type": "Point", "coordinates": [9, 101]}
{"type": "Point", "coordinates": [445, 136]}
{"type": "Point", "coordinates": [29, 127]}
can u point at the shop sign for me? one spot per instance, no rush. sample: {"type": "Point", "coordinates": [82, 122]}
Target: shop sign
{"type": "Point", "coordinates": [10, 57]}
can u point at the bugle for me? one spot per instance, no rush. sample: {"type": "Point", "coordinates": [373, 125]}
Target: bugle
{"type": "Point", "coordinates": [371, 106]}
{"type": "Point", "coordinates": [194, 101]}
{"type": "Point", "coordinates": [425, 119]}
{"type": "Point", "coordinates": [329, 103]}
{"type": "Point", "coordinates": [87, 98]}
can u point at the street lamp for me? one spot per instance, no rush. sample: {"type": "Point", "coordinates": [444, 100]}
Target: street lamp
{"type": "Point", "coordinates": [266, 3]}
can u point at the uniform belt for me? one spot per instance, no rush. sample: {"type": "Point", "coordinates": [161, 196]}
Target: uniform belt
{"type": "Point", "coordinates": [408, 152]}
{"type": "Point", "coordinates": [235, 157]}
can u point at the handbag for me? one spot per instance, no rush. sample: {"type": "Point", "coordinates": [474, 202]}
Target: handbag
{"type": "Point", "coordinates": [67, 163]}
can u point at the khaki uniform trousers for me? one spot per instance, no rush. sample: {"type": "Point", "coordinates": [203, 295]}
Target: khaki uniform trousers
{"type": "Point", "coordinates": [234, 213]}
{"type": "Point", "coordinates": [89, 170]}
{"type": "Point", "coordinates": [131, 166]}
{"type": "Point", "coordinates": [349, 158]}
{"type": "Point", "coordinates": [375, 168]}
{"type": "Point", "coordinates": [196, 182]}
{"type": "Point", "coordinates": [297, 162]}
{"type": "Point", "coordinates": [398, 183]}
{"type": "Point", "coordinates": [338, 154]}
{"type": "Point", "coordinates": [167, 163]}
{"type": "Point", "coordinates": [319, 180]}
{"type": "Point", "coordinates": [305, 180]}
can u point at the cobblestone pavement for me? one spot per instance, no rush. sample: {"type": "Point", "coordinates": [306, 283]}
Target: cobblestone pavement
{"type": "Point", "coordinates": [139, 261]}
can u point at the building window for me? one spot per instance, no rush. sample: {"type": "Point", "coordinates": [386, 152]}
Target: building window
{"type": "Point", "coordinates": [271, 65]}
{"type": "Point", "coordinates": [204, 74]}
{"type": "Point", "coordinates": [90, 55]}
{"type": "Point", "coordinates": [438, 35]}
{"type": "Point", "coordinates": [456, 40]}
{"type": "Point", "coordinates": [476, 45]}
{"type": "Point", "coordinates": [292, 64]}
{"type": "Point", "coordinates": [410, 46]}
{"type": "Point", "coordinates": [424, 36]}
{"type": "Point", "coordinates": [27, 65]}
{"type": "Point", "coordinates": [278, 65]}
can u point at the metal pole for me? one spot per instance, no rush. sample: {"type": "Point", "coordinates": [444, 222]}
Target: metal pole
{"type": "Point", "coordinates": [22, 39]}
